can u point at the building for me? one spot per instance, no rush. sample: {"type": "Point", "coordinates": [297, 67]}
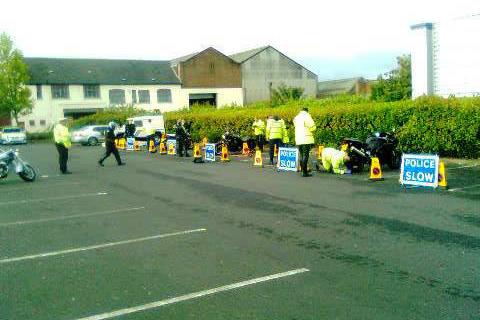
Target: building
{"type": "Point", "coordinates": [209, 77]}
{"type": "Point", "coordinates": [265, 68]}
{"type": "Point", "coordinates": [351, 86]}
{"type": "Point", "coordinates": [445, 58]}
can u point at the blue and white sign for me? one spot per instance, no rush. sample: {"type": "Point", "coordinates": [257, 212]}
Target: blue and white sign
{"type": "Point", "coordinates": [287, 159]}
{"type": "Point", "coordinates": [210, 152]}
{"type": "Point", "coordinates": [419, 170]}
{"type": "Point", "coordinates": [130, 143]}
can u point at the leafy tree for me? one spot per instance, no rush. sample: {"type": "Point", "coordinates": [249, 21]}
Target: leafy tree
{"type": "Point", "coordinates": [283, 94]}
{"type": "Point", "coordinates": [14, 94]}
{"type": "Point", "coordinates": [396, 84]}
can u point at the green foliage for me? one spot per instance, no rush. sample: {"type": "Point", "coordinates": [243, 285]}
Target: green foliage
{"type": "Point", "coordinates": [397, 84]}
{"type": "Point", "coordinates": [449, 127]}
{"type": "Point", "coordinates": [37, 136]}
{"type": "Point", "coordinates": [283, 94]}
{"type": "Point", "coordinates": [117, 114]}
{"type": "Point", "coordinates": [14, 95]}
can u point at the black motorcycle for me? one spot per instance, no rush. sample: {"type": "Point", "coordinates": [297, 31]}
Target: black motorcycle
{"type": "Point", "coordinates": [233, 142]}
{"type": "Point", "coordinates": [382, 145]}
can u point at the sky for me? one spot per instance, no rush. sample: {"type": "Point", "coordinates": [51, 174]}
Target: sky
{"type": "Point", "coordinates": [335, 39]}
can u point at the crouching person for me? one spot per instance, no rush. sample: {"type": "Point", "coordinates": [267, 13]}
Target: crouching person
{"type": "Point", "coordinates": [335, 160]}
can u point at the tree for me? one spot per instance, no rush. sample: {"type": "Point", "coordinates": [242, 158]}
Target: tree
{"type": "Point", "coordinates": [283, 94]}
{"type": "Point", "coordinates": [397, 84]}
{"type": "Point", "coordinates": [14, 94]}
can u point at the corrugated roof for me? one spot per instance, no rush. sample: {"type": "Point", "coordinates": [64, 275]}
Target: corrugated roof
{"type": "Point", "coordinates": [339, 86]}
{"type": "Point", "coordinates": [245, 55]}
{"type": "Point", "coordinates": [176, 61]}
{"type": "Point", "coordinates": [100, 71]}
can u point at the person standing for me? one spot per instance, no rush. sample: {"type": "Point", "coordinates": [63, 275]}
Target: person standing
{"type": "Point", "coordinates": [181, 137]}
{"type": "Point", "coordinates": [110, 146]}
{"type": "Point", "coordinates": [62, 143]}
{"type": "Point", "coordinates": [304, 128]}
{"type": "Point", "coordinates": [276, 132]}
{"type": "Point", "coordinates": [259, 133]}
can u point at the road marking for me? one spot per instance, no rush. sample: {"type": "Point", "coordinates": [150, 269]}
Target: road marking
{"type": "Point", "coordinates": [194, 295]}
{"type": "Point", "coordinates": [98, 246]}
{"type": "Point", "coordinates": [463, 167]}
{"type": "Point", "coordinates": [61, 184]}
{"type": "Point", "coordinates": [468, 187]}
{"type": "Point", "coordinates": [69, 217]}
{"type": "Point", "coordinates": [54, 198]}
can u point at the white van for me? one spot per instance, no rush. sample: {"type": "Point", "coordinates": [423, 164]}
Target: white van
{"type": "Point", "coordinates": [145, 124]}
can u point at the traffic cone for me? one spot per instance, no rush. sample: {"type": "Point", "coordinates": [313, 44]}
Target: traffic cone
{"type": "Point", "coordinates": [117, 143]}
{"type": "Point", "coordinates": [442, 175]}
{"type": "Point", "coordinates": [319, 152]}
{"type": "Point", "coordinates": [152, 148]}
{"type": "Point", "coordinates": [123, 143]}
{"type": "Point", "coordinates": [162, 148]}
{"type": "Point", "coordinates": [224, 157]}
{"type": "Point", "coordinates": [136, 146]}
{"type": "Point", "coordinates": [258, 159]}
{"type": "Point", "coordinates": [375, 170]}
{"type": "Point", "coordinates": [171, 149]}
{"type": "Point", "coordinates": [204, 142]}
{"type": "Point", "coordinates": [197, 155]}
{"type": "Point", "coordinates": [245, 149]}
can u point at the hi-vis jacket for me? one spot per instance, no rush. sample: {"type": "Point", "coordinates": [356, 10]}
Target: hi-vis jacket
{"type": "Point", "coordinates": [333, 160]}
{"type": "Point", "coordinates": [304, 128]}
{"type": "Point", "coordinates": [61, 135]}
{"type": "Point", "coordinates": [258, 127]}
{"type": "Point", "coordinates": [276, 129]}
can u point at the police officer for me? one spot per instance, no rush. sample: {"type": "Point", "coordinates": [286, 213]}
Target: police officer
{"type": "Point", "coordinates": [110, 146]}
{"type": "Point", "coordinates": [276, 134]}
{"type": "Point", "coordinates": [181, 137]}
{"type": "Point", "coordinates": [259, 132]}
{"type": "Point", "coordinates": [304, 128]}
{"type": "Point", "coordinates": [335, 160]}
{"type": "Point", "coordinates": [62, 143]}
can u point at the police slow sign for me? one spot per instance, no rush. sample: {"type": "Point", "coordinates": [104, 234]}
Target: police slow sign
{"type": "Point", "coordinates": [419, 170]}
{"type": "Point", "coordinates": [287, 159]}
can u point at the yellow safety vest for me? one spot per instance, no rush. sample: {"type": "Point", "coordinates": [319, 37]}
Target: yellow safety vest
{"type": "Point", "coordinates": [258, 127]}
{"type": "Point", "coordinates": [61, 135]}
{"type": "Point", "coordinates": [276, 129]}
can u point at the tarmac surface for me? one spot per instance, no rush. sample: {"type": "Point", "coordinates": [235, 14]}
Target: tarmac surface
{"type": "Point", "coordinates": [164, 238]}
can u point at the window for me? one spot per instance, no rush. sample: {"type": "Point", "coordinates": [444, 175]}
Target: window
{"type": "Point", "coordinates": [134, 96]}
{"type": "Point", "coordinates": [143, 96]}
{"type": "Point", "coordinates": [43, 123]}
{"type": "Point", "coordinates": [39, 92]}
{"type": "Point", "coordinates": [60, 91]}
{"type": "Point", "coordinates": [164, 95]}
{"type": "Point", "coordinates": [116, 96]}
{"type": "Point", "coordinates": [91, 91]}
{"type": "Point", "coordinates": [31, 123]}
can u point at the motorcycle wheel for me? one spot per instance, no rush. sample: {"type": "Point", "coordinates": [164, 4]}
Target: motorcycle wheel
{"type": "Point", "coordinates": [3, 170]}
{"type": "Point", "coordinates": [28, 174]}
{"type": "Point", "coordinates": [395, 160]}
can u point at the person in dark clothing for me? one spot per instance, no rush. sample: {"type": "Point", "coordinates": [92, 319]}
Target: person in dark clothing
{"type": "Point", "coordinates": [181, 136]}
{"type": "Point", "coordinates": [110, 146]}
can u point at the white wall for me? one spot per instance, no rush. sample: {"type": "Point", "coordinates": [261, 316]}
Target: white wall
{"type": "Point", "coordinates": [225, 96]}
{"type": "Point", "coordinates": [421, 54]}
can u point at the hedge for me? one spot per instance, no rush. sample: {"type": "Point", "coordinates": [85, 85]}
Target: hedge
{"type": "Point", "coordinates": [449, 127]}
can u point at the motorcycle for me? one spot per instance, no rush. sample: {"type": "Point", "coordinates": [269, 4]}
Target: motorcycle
{"type": "Point", "coordinates": [11, 159]}
{"type": "Point", "coordinates": [382, 145]}
{"type": "Point", "coordinates": [233, 142]}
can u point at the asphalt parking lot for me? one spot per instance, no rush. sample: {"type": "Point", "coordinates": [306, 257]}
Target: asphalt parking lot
{"type": "Point", "coordinates": [164, 238]}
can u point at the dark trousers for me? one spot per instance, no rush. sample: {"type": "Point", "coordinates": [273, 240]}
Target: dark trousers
{"type": "Point", "coordinates": [304, 154]}
{"type": "Point", "coordinates": [182, 147]}
{"type": "Point", "coordinates": [273, 143]}
{"type": "Point", "coordinates": [62, 156]}
{"type": "Point", "coordinates": [109, 149]}
{"type": "Point", "coordinates": [260, 141]}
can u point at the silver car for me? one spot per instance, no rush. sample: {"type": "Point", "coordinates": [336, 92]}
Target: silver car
{"type": "Point", "coordinates": [89, 135]}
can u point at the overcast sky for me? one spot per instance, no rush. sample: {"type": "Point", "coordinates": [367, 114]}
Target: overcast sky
{"type": "Point", "coordinates": [335, 39]}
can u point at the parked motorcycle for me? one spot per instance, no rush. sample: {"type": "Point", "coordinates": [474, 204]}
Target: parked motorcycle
{"type": "Point", "coordinates": [11, 160]}
{"type": "Point", "coordinates": [382, 145]}
{"type": "Point", "coordinates": [233, 142]}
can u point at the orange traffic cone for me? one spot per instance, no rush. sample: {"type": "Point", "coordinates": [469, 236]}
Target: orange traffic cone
{"type": "Point", "coordinates": [319, 151]}
{"type": "Point", "coordinates": [442, 175]}
{"type": "Point", "coordinates": [162, 148]}
{"type": "Point", "coordinates": [136, 146]}
{"type": "Point", "coordinates": [171, 149]}
{"type": "Point", "coordinates": [151, 147]}
{"type": "Point", "coordinates": [258, 159]}
{"type": "Point", "coordinates": [245, 149]}
{"type": "Point", "coordinates": [197, 154]}
{"type": "Point", "coordinates": [204, 142]}
{"type": "Point", "coordinates": [375, 170]}
{"type": "Point", "coordinates": [224, 157]}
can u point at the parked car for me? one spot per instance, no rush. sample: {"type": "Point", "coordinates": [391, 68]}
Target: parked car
{"type": "Point", "coordinates": [89, 135]}
{"type": "Point", "coordinates": [13, 135]}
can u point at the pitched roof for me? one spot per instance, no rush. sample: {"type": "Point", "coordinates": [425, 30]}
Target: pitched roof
{"type": "Point", "coordinates": [245, 55]}
{"type": "Point", "coordinates": [339, 86]}
{"type": "Point", "coordinates": [176, 61]}
{"type": "Point", "coordinates": [100, 71]}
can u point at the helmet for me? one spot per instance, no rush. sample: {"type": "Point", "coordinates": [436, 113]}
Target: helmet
{"type": "Point", "coordinates": [112, 124]}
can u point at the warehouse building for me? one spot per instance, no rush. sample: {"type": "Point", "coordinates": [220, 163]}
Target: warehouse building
{"type": "Point", "coordinates": [445, 59]}
{"type": "Point", "coordinates": [266, 68]}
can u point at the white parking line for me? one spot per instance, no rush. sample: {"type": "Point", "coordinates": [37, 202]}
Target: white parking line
{"type": "Point", "coordinates": [16, 223]}
{"type": "Point", "coordinates": [54, 198]}
{"type": "Point", "coordinates": [467, 187]}
{"type": "Point", "coordinates": [98, 246]}
{"type": "Point", "coordinates": [61, 184]}
{"type": "Point", "coordinates": [194, 295]}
